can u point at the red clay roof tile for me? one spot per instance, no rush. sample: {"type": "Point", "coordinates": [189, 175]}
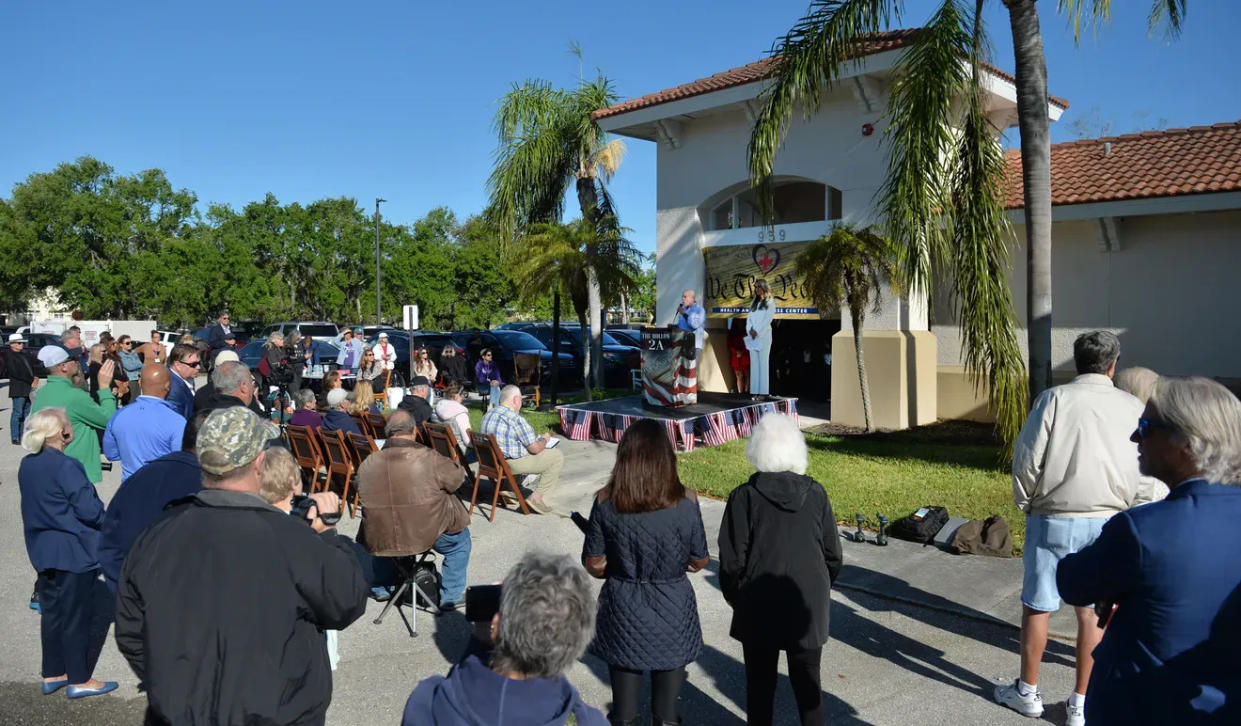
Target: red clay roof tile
{"type": "Point", "coordinates": [757, 71]}
{"type": "Point", "coordinates": [1195, 160]}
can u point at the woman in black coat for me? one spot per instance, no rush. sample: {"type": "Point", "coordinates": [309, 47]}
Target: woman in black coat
{"type": "Point", "coordinates": [779, 553]}
{"type": "Point", "coordinates": [645, 533]}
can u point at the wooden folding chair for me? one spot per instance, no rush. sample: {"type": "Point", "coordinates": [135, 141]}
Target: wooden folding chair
{"type": "Point", "coordinates": [441, 438]}
{"type": "Point", "coordinates": [376, 422]}
{"type": "Point", "coordinates": [528, 375]}
{"type": "Point", "coordinates": [305, 447]}
{"type": "Point", "coordinates": [340, 465]}
{"type": "Point", "coordinates": [492, 465]}
{"type": "Point", "coordinates": [363, 425]}
{"type": "Point", "coordinates": [362, 446]}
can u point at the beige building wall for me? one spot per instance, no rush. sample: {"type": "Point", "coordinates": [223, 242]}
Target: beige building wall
{"type": "Point", "coordinates": [1168, 290]}
{"type": "Point", "coordinates": [900, 372]}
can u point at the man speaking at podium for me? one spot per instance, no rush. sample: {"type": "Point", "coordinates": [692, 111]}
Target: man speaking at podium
{"type": "Point", "coordinates": [691, 317]}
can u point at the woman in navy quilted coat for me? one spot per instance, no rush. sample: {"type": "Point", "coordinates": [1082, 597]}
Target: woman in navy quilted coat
{"type": "Point", "coordinates": [645, 533]}
{"type": "Point", "coordinates": [779, 555]}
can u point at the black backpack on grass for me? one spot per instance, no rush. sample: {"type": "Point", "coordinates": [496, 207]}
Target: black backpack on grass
{"type": "Point", "coordinates": [921, 526]}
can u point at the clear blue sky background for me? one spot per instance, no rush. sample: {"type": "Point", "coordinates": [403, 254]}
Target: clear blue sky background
{"type": "Point", "coordinates": [394, 98]}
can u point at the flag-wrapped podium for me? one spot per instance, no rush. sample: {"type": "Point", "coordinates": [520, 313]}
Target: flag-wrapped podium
{"type": "Point", "coordinates": [669, 367]}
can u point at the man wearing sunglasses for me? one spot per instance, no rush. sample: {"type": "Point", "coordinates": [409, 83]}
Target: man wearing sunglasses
{"type": "Point", "coordinates": [186, 362]}
{"type": "Point", "coordinates": [1073, 468]}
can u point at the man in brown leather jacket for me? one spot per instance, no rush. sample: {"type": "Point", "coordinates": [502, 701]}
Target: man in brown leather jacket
{"type": "Point", "coordinates": [409, 505]}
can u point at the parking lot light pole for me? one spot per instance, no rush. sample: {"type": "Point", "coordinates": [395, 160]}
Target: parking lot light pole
{"type": "Point", "coordinates": [379, 315]}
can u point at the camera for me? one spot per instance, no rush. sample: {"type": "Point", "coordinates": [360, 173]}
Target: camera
{"type": "Point", "coordinates": [302, 505]}
{"type": "Point", "coordinates": [482, 602]}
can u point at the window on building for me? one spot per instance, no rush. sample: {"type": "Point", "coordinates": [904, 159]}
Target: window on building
{"type": "Point", "coordinates": [794, 201]}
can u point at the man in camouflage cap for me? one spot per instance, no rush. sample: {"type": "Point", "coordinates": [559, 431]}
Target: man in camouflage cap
{"type": "Point", "coordinates": [227, 583]}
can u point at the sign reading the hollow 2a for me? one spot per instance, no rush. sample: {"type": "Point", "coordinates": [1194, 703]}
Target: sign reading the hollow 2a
{"type": "Point", "coordinates": [732, 271]}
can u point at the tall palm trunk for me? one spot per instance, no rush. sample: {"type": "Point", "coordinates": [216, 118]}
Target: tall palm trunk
{"type": "Point", "coordinates": [855, 312]}
{"type": "Point", "coordinates": [555, 344]}
{"type": "Point", "coordinates": [1034, 124]}
{"type": "Point", "coordinates": [581, 321]}
{"type": "Point", "coordinates": [588, 200]}
{"type": "Point", "coordinates": [624, 308]}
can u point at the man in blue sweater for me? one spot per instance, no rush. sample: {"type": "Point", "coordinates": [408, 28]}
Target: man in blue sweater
{"type": "Point", "coordinates": [144, 495]}
{"type": "Point", "coordinates": [146, 429]}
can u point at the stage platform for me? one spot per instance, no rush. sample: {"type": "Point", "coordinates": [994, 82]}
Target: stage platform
{"type": "Point", "coordinates": [716, 419]}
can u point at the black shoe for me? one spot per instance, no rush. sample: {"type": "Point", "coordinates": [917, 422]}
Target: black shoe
{"type": "Point", "coordinates": [448, 607]}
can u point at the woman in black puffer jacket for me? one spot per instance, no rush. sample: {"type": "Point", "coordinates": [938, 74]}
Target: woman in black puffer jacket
{"type": "Point", "coordinates": [779, 554]}
{"type": "Point", "coordinates": [645, 533]}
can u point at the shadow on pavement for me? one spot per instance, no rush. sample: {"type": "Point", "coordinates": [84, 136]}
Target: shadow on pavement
{"type": "Point", "coordinates": [25, 705]}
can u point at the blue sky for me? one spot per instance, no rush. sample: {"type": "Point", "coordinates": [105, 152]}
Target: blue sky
{"type": "Point", "coordinates": [395, 98]}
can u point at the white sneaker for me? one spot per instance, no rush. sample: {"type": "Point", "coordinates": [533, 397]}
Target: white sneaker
{"type": "Point", "coordinates": [1031, 705]}
{"type": "Point", "coordinates": [1076, 716]}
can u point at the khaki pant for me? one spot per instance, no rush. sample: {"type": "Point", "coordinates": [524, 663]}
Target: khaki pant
{"type": "Point", "coordinates": [547, 464]}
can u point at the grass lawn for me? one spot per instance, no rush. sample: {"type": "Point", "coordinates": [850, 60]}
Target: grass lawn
{"type": "Point", "coordinates": [893, 473]}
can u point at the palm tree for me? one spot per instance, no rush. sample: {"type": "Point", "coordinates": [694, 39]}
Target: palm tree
{"type": "Point", "coordinates": [850, 265]}
{"type": "Point", "coordinates": [547, 141]}
{"type": "Point", "coordinates": [562, 256]}
{"type": "Point", "coordinates": [941, 198]}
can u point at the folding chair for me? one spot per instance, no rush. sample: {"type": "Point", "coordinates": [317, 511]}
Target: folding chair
{"type": "Point", "coordinates": [362, 446]}
{"type": "Point", "coordinates": [528, 375]}
{"type": "Point", "coordinates": [492, 465]}
{"type": "Point", "coordinates": [305, 448]}
{"type": "Point", "coordinates": [339, 465]}
{"type": "Point", "coordinates": [376, 423]}
{"type": "Point", "coordinates": [363, 425]}
{"type": "Point", "coordinates": [406, 567]}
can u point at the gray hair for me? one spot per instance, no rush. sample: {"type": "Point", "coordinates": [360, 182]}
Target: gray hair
{"type": "Point", "coordinates": [777, 444]}
{"type": "Point", "coordinates": [280, 475]}
{"type": "Point", "coordinates": [1208, 417]}
{"type": "Point", "coordinates": [1136, 381]}
{"type": "Point", "coordinates": [306, 398]}
{"type": "Point", "coordinates": [1096, 351]}
{"type": "Point", "coordinates": [273, 336]}
{"type": "Point", "coordinates": [507, 393]}
{"type": "Point", "coordinates": [229, 377]}
{"type": "Point", "coordinates": [42, 426]}
{"type": "Point", "coordinates": [400, 422]}
{"type": "Point", "coordinates": [547, 616]}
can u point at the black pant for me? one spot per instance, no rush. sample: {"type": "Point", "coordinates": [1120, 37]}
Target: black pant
{"type": "Point", "coordinates": [627, 692]}
{"type": "Point", "coordinates": [760, 679]}
{"type": "Point", "coordinates": [68, 603]}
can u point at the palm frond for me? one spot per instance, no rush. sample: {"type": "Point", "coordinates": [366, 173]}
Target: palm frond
{"type": "Point", "coordinates": [608, 159]}
{"type": "Point", "coordinates": [1090, 12]}
{"type": "Point", "coordinates": [1171, 12]}
{"type": "Point", "coordinates": [810, 58]}
{"type": "Point", "coordinates": [980, 268]}
{"type": "Point", "coordinates": [922, 135]}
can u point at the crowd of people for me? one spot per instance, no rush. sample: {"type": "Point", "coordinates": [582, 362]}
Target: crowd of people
{"type": "Point", "coordinates": [1118, 474]}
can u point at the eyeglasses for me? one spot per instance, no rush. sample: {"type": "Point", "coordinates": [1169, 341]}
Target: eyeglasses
{"type": "Point", "coordinates": [191, 364]}
{"type": "Point", "coordinates": [128, 344]}
{"type": "Point", "coordinates": [1146, 424]}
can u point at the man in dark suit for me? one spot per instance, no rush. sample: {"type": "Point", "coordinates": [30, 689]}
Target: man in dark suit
{"type": "Point", "coordinates": [185, 365]}
{"type": "Point", "coordinates": [218, 336]}
{"type": "Point", "coordinates": [1169, 653]}
{"type": "Point", "coordinates": [22, 382]}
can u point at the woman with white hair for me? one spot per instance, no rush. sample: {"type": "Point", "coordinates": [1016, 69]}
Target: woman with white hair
{"type": "Point", "coordinates": [61, 517]}
{"type": "Point", "coordinates": [1165, 578]}
{"type": "Point", "coordinates": [779, 554]}
{"type": "Point", "coordinates": [545, 620]}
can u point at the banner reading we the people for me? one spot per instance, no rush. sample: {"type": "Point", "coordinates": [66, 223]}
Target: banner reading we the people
{"type": "Point", "coordinates": [732, 271]}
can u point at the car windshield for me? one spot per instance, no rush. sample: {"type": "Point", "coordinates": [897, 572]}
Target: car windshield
{"type": "Point", "coordinates": [518, 340]}
{"type": "Point", "coordinates": [318, 331]}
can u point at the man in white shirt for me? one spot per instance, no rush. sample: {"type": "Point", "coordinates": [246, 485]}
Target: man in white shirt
{"type": "Point", "coordinates": [1073, 468]}
{"type": "Point", "coordinates": [385, 353]}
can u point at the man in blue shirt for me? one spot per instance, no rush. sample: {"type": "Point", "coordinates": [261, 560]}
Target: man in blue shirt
{"type": "Point", "coordinates": [691, 317]}
{"type": "Point", "coordinates": [146, 429]}
{"type": "Point", "coordinates": [337, 417]}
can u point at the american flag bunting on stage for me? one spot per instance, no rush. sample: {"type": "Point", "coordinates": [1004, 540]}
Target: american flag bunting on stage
{"type": "Point", "coordinates": [575, 423]}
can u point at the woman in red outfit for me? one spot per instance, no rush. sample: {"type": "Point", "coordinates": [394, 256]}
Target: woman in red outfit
{"type": "Point", "coordinates": [739, 356]}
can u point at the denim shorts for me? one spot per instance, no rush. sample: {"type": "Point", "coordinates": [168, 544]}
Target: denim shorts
{"type": "Point", "coordinates": [1049, 540]}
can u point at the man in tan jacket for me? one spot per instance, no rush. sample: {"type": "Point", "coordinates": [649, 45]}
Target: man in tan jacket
{"type": "Point", "coordinates": [409, 505]}
{"type": "Point", "coordinates": [1074, 466]}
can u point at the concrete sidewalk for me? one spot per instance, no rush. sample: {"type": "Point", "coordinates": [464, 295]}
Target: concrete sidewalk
{"type": "Point", "coordinates": [918, 635]}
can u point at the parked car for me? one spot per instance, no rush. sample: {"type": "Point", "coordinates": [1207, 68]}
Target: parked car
{"type": "Point", "coordinates": [504, 344]}
{"type": "Point", "coordinates": [627, 336]}
{"type": "Point", "coordinates": [618, 359]}
{"type": "Point", "coordinates": [403, 340]}
{"type": "Point", "coordinates": [316, 329]}
{"type": "Point", "coordinates": [35, 341]}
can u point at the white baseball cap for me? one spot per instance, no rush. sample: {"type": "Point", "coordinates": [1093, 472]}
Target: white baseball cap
{"type": "Point", "coordinates": [383, 335]}
{"type": "Point", "coordinates": [226, 356]}
{"type": "Point", "coordinates": [336, 395]}
{"type": "Point", "coordinates": [16, 338]}
{"type": "Point", "coordinates": [52, 355]}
